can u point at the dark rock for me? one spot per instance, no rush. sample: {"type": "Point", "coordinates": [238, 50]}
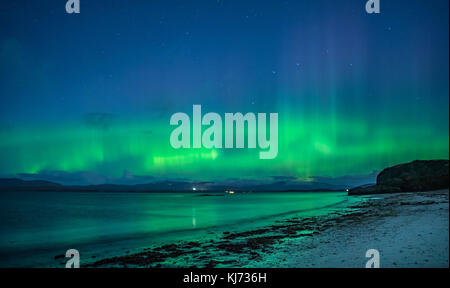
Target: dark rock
{"type": "Point", "coordinates": [416, 176]}
{"type": "Point", "coordinates": [373, 189]}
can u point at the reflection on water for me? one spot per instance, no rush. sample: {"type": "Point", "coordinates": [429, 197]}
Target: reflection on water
{"type": "Point", "coordinates": [194, 221]}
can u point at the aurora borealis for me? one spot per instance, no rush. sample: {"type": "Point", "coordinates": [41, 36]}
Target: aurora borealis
{"type": "Point", "coordinates": [93, 93]}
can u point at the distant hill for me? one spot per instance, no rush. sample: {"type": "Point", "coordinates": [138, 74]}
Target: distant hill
{"type": "Point", "coordinates": [167, 186]}
{"type": "Point", "coordinates": [18, 183]}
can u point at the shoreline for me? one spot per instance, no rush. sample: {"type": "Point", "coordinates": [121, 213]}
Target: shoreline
{"type": "Point", "coordinates": [410, 230]}
{"type": "Point", "coordinates": [149, 223]}
{"type": "Point", "coordinates": [397, 224]}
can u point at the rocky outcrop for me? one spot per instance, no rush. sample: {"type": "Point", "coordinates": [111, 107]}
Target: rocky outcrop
{"type": "Point", "coordinates": [373, 189]}
{"type": "Point", "coordinates": [416, 176]}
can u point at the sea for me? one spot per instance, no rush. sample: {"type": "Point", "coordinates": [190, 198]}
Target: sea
{"type": "Point", "coordinates": [37, 228]}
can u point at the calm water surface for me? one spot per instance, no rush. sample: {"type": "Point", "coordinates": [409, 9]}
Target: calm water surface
{"type": "Point", "coordinates": [36, 226]}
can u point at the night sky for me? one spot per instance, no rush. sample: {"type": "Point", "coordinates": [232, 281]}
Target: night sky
{"type": "Point", "coordinates": [88, 97]}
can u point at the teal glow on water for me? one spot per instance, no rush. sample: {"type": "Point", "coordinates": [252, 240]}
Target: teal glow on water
{"type": "Point", "coordinates": [49, 221]}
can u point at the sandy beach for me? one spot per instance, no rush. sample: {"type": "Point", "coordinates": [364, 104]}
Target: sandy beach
{"type": "Point", "coordinates": [408, 230]}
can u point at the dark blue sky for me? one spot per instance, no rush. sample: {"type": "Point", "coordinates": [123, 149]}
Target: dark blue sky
{"type": "Point", "coordinates": [353, 82]}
